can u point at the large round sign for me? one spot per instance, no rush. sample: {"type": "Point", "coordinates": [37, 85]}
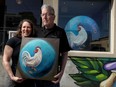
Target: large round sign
{"type": "Point", "coordinates": [36, 58]}
{"type": "Point", "coordinates": [80, 31]}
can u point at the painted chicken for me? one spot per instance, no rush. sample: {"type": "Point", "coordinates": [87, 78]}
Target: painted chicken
{"type": "Point", "coordinates": [32, 61]}
{"type": "Point", "coordinates": [78, 40]}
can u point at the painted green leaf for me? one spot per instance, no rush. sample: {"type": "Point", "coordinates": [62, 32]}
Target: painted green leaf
{"type": "Point", "coordinates": [78, 77]}
{"type": "Point", "coordinates": [101, 77]}
{"type": "Point", "coordinates": [93, 63]}
{"type": "Point", "coordinates": [97, 77]}
{"type": "Point", "coordinates": [92, 72]}
{"type": "Point", "coordinates": [101, 68]}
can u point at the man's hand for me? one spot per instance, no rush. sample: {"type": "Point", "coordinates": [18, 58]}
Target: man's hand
{"type": "Point", "coordinates": [57, 77]}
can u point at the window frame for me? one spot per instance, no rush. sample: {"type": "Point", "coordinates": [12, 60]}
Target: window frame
{"type": "Point", "coordinates": [112, 52]}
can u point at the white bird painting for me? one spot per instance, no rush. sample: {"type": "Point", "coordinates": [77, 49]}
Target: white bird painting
{"type": "Point", "coordinates": [77, 40]}
{"type": "Point", "coordinates": [34, 61]}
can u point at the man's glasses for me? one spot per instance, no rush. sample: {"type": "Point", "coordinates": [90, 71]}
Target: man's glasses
{"type": "Point", "coordinates": [48, 15]}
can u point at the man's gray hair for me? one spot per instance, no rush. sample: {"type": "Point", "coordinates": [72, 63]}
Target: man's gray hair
{"type": "Point", "coordinates": [49, 8]}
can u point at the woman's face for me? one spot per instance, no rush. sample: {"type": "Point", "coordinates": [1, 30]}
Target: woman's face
{"type": "Point", "coordinates": [26, 29]}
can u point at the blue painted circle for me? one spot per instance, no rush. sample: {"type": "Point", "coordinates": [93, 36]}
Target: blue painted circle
{"type": "Point", "coordinates": [89, 25]}
{"type": "Point", "coordinates": [48, 58]}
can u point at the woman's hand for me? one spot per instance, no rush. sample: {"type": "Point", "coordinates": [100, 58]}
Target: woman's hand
{"type": "Point", "coordinates": [17, 79]}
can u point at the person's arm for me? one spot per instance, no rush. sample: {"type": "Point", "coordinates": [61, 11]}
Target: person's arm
{"type": "Point", "coordinates": [58, 77]}
{"type": "Point", "coordinates": [6, 63]}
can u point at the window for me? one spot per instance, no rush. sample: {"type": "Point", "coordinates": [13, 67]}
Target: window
{"type": "Point", "coordinates": [16, 10]}
{"type": "Point", "coordinates": [24, 8]}
{"type": "Point", "coordinates": [89, 25]}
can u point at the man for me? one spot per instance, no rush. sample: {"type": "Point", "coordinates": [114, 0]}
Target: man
{"type": "Point", "coordinates": [51, 30]}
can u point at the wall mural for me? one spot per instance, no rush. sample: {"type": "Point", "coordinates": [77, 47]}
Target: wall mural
{"type": "Point", "coordinates": [111, 81]}
{"type": "Point", "coordinates": [92, 72]}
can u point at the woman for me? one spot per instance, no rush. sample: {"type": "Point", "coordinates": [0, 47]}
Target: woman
{"type": "Point", "coordinates": [11, 51]}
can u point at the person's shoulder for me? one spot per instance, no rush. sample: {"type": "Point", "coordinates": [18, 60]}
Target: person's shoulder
{"type": "Point", "coordinates": [58, 28]}
{"type": "Point", "coordinates": [14, 39]}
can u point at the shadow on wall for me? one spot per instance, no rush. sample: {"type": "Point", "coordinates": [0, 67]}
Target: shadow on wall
{"type": "Point", "coordinates": [96, 48]}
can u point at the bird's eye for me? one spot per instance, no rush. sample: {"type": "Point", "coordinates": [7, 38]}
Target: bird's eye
{"type": "Point", "coordinates": [79, 27]}
{"type": "Point", "coordinates": [36, 50]}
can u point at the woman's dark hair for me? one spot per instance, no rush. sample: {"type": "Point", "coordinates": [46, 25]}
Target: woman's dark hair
{"type": "Point", "coordinates": [18, 33]}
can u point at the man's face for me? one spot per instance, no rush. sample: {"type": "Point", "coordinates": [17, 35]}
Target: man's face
{"type": "Point", "coordinates": [47, 18]}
